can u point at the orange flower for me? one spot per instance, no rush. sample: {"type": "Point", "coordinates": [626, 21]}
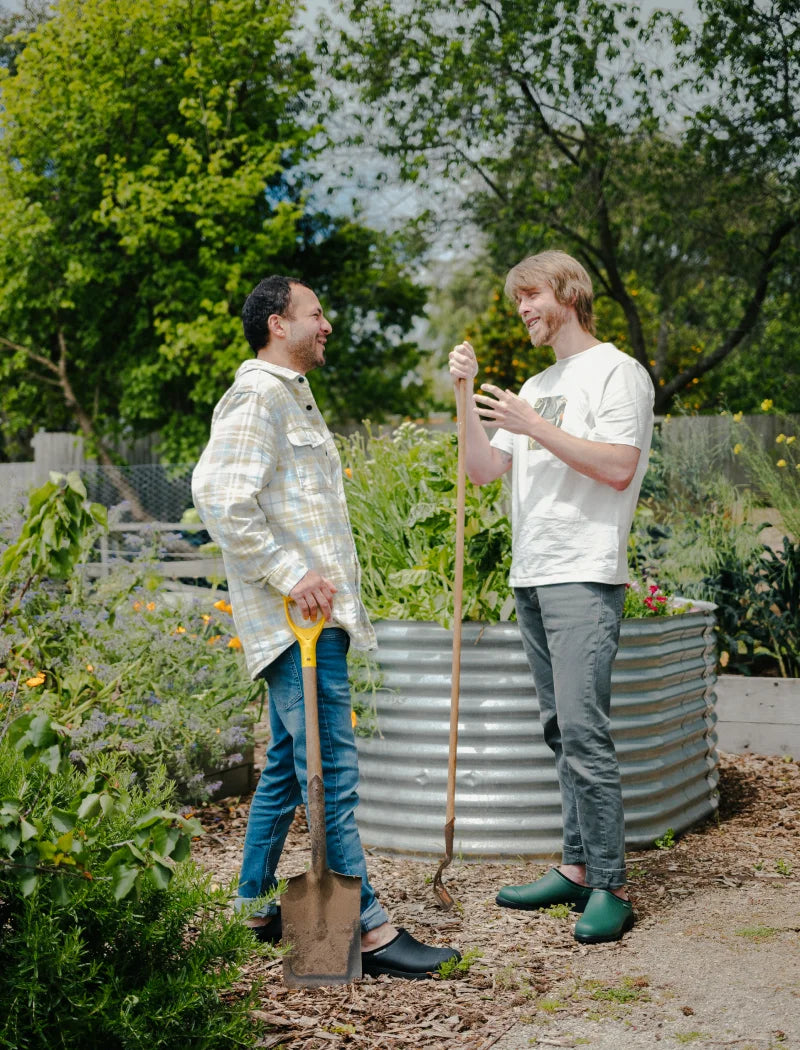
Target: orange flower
{"type": "Point", "coordinates": [213, 639]}
{"type": "Point", "coordinates": [38, 679]}
{"type": "Point", "coordinates": [150, 606]}
{"type": "Point", "coordinates": [235, 643]}
{"type": "Point", "coordinates": [179, 630]}
{"type": "Point", "coordinates": [137, 606]}
{"type": "Point", "coordinates": [353, 718]}
{"type": "Point", "coordinates": [223, 606]}
{"type": "Point", "coordinates": [348, 472]}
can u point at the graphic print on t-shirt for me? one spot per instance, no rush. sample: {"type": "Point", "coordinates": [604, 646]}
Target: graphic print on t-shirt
{"type": "Point", "coordinates": [552, 409]}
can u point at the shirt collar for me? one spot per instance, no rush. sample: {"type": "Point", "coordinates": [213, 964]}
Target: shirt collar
{"type": "Point", "coordinates": [267, 366]}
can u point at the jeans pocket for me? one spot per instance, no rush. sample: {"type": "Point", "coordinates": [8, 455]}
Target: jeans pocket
{"type": "Point", "coordinates": [284, 679]}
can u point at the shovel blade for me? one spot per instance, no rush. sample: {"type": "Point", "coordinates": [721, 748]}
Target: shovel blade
{"type": "Point", "coordinates": [321, 922]}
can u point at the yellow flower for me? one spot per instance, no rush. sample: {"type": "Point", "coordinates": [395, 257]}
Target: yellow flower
{"type": "Point", "coordinates": [766, 404]}
{"type": "Point", "coordinates": [137, 606]}
{"type": "Point", "coordinates": [780, 439]}
{"type": "Point", "coordinates": [205, 618]}
{"type": "Point", "coordinates": [353, 718]}
{"type": "Point", "coordinates": [723, 659]}
{"type": "Point", "coordinates": [737, 417]}
{"type": "Point", "coordinates": [151, 606]}
{"type": "Point", "coordinates": [223, 606]}
{"type": "Point", "coordinates": [89, 667]}
{"type": "Point", "coordinates": [213, 639]}
{"type": "Point", "coordinates": [781, 463]}
{"type": "Point", "coordinates": [235, 643]}
{"type": "Point", "coordinates": [737, 448]}
{"type": "Point", "coordinates": [37, 679]}
{"type": "Point", "coordinates": [790, 439]}
{"type": "Point", "coordinates": [179, 630]}
{"type": "Point", "coordinates": [348, 472]}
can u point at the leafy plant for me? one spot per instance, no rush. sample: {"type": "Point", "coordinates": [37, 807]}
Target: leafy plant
{"type": "Point", "coordinates": [454, 968]}
{"type": "Point", "coordinates": [401, 490]}
{"type": "Point", "coordinates": [60, 524]}
{"type": "Point", "coordinates": [125, 666]}
{"type": "Point", "coordinates": [666, 841]}
{"type": "Point", "coordinates": [109, 935]}
{"type": "Point", "coordinates": [648, 599]}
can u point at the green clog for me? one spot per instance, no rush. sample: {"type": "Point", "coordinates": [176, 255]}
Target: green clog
{"type": "Point", "coordinates": [605, 918]}
{"type": "Point", "coordinates": [552, 888]}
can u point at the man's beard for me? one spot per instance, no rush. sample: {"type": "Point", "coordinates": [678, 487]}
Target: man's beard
{"type": "Point", "coordinates": [550, 323]}
{"type": "Point", "coordinates": [305, 354]}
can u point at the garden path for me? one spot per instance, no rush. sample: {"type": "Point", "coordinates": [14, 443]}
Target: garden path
{"type": "Point", "coordinates": [713, 962]}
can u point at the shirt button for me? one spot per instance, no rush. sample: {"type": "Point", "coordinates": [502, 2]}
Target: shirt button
{"type": "Point", "coordinates": [301, 379]}
{"type": "Point", "coordinates": [309, 407]}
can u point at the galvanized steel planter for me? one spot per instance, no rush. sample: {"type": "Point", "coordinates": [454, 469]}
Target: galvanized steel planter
{"type": "Point", "coordinates": [507, 797]}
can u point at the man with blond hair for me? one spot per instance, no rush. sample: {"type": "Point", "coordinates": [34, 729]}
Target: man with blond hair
{"type": "Point", "coordinates": [576, 440]}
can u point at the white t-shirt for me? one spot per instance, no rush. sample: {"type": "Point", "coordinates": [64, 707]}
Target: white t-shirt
{"type": "Point", "coordinates": [566, 527]}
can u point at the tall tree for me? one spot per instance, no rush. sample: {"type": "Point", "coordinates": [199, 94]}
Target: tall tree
{"type": "Point", "coordinates": [566, 131]}
{"type": "Point", "coordinates": [152, 169]}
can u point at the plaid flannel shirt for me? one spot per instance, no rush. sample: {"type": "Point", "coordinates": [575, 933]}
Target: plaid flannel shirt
{"type": "Point", "coordinates": [269, 489]}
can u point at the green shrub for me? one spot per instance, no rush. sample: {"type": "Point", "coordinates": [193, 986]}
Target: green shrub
{"type": "Point", "coordinates": [90, 956]}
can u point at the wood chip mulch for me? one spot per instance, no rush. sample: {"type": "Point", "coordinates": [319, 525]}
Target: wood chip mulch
{"type": "Point", "coordinates": [518, 956]}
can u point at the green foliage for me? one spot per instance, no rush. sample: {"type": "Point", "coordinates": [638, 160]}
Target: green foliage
{"type": "Point", "coordinates": [454, 968]}
{"type": "Point", "coordinates": [759, 611]}
{"type": "Point", "coordinates": [557, 911]}
{"type": "Point", "coordinates": [774, 475]}
{"type": "Point", "coordinates": [666, 841]}
{"type": "Point", "coordinates": [401, 493]}
{"type": "Point", "coordinates": [694, 534]}
{"type": "Point", "coordinates": [125, 666]}
{"type": "Point", "coordinates": [153, 170]}
{"type": "Point", "coordinates": [60, 522]}
{"type": "Point", "coordinates": [63, 839]}
{"type": "Point", "coordinates": [110, 937]}
{"type": "Point", "coordinates": [562, 129]}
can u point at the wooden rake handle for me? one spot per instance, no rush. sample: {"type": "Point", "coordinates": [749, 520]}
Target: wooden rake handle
{"type": "Point", "coordinates": [440, 890]}
{"type": "Point", "coordinates": [458, 597]}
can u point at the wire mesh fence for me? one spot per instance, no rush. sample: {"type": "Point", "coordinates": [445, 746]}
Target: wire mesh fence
{"type": "Point", "coordinates": [145, 492]}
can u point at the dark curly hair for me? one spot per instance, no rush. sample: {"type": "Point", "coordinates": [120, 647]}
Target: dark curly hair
{"type": "Point", "coordinates": [273, 295]}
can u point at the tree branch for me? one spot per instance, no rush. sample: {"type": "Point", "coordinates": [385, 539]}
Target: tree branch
{"type": "Point", "coordinates": [746, 322]}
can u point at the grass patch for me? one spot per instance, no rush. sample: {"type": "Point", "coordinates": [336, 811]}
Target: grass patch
{"type": "Point", "coordinates": [632, 989]}
{"type": "Point", "coordinates": [756, 933]}
{"type": "Point", "coordinates": [557, 911]}
{"type": "Point", "coordinates": [454, 968]}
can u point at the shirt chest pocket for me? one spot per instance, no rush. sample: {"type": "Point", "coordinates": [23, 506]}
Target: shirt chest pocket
{"type": "Point", "coordinates": [311, 460]}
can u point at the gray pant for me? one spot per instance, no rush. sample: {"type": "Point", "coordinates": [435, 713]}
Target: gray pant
{"type": "Point", "coordinates": [570, 632]}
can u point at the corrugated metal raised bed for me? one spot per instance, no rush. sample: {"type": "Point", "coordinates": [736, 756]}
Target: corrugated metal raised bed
{"type": "Point", "coordinates": [507, 797]}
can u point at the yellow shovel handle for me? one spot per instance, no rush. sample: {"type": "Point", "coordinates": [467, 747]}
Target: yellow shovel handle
{"type": "Point", "coordinates": [306, 636]}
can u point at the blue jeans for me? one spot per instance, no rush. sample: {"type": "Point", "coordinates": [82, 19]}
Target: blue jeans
{"type": "Point", "coordinates": [283, 783]}
{"type": "Point", "coordinates": [570, 632]}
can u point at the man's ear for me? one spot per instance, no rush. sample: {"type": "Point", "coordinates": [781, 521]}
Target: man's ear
{"type": "Point", "coordinates": [275, 324]}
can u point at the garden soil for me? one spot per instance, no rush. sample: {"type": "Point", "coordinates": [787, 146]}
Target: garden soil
{"type": "Point", "coordinates": [713, 961]}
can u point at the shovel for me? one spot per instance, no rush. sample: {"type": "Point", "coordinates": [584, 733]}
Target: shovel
{"type": "Point", "coordinates": [320, 909]}
{"type": "Point", "coordinates": [443, 896]}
